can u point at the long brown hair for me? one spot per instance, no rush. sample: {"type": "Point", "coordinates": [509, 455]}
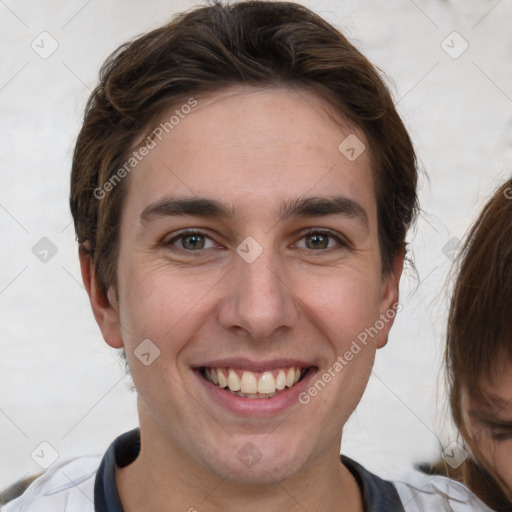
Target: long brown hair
{"type": "Point", "coordinates": [250, 43]}
{"type": "Point", "coordinates": [479, 332]}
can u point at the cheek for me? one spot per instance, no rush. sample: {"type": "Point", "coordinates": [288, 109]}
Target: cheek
{"type": "Point", "coordinates": [158, 301]}
{"type": "Point", "coordinates": [504, 468]}
{"type": "Point", "coordinates": [497, 456]}
{"type": "Point", "coordinates": [346, 304]}
{"type": "Point", "coordinates": [346, 311]}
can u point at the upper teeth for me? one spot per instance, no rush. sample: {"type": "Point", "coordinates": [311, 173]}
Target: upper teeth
{"type": "Point", "coordinates": [268, 382]}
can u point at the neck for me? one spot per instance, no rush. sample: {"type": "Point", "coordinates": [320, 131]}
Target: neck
{"type": "Point", "coordinates": [164, 478]}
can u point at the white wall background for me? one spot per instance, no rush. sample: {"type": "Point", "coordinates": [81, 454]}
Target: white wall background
{"type": "Point", "coordinates": [61, 384]}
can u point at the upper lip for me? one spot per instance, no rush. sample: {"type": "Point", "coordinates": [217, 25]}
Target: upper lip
{"type": "Point", "coordinates": [254, 366]}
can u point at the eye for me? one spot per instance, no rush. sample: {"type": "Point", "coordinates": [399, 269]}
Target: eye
{"type": "Point", "coordinates": [501, 436]}
{"type": "Point", "coordinates": [321, 239]}
{"type": "Point", "coordinates": [191, 241]}
{"type": "Point", "coordinates": [495, 431]}
{"type": "Point", "coordinates": [500, 433]}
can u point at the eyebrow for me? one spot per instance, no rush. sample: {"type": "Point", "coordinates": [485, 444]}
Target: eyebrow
{"type": "Point", "coordinates": [488, 417]}
{"type": "Point", "coordinates": [195, 206]}
{"type": "Point", "coordinates": [323, 206]}
{"type": "Point", "coordinates": [213, 209]}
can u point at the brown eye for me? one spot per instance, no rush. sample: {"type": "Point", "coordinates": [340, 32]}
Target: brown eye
{"type": "Point", "coordinates": [192, 242]}
{"type": "Point", "coordinates": [317, 241]}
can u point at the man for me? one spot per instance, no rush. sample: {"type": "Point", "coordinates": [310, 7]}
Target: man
{"type": "Point", "coordinates": [241, 190]}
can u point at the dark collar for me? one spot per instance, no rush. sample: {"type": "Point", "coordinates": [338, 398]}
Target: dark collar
{"type": "Point", "coordinates": [378, 495]}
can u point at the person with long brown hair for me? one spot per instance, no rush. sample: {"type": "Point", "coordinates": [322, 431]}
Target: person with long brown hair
{"type": "Point", "coordinates": [479, 353]}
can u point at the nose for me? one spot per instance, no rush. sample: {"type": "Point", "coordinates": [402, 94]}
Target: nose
{"type": "Point", "coordinates": [258, 301]}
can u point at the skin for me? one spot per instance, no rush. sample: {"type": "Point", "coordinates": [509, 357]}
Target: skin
{"type": "Point", "coordinates": [253, 150]}
{"type": "Point", "coordinates": [489, 425]}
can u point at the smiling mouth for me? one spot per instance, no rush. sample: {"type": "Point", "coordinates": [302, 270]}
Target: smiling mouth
{"type": "Point", "coordinates": [247, 384]}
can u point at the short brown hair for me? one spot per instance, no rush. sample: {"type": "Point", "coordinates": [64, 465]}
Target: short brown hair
{"type": "Point", "coordinates": [249, 43]}
{"type": "Point", "coordinates": [479, 332]}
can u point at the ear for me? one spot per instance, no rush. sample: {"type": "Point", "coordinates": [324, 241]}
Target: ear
{"type": "Point", "coordinates": [104, 305]}
{"type": "Point", "coordinates": [389, 297]}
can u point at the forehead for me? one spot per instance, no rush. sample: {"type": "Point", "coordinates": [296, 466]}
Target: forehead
{"type": "Point", "coordinates": [260, 144]}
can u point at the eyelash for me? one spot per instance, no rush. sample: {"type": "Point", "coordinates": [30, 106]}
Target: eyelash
{"type": "Point", "coordinates": [501, 437]}
{"type": "Point", "coordinates": [499, 433]}
{"type": "Point", "coordinates": [184, 234]}
{"type": "Point", "coordinates": [341, 241]}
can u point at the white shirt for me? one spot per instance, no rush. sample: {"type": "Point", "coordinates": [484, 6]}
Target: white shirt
{"type": "Point", "coordinates": [425, 493]}
{"type": "Point", "coordinates": [69, 487]}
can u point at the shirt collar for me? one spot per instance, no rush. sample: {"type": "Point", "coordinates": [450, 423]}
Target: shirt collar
{"type": "Point", "coordinates": [378, 495]}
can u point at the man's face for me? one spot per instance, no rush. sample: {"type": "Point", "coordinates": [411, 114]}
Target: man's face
{"type": "Point", "coordinates": [489, 425]}
{"type": "Point", "coordinates": [249, 247]}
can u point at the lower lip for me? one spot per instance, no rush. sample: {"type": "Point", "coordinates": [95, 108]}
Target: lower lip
{"type": "Point", "coordinates": [281, 401]}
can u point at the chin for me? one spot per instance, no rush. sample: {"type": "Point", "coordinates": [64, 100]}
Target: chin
{"type": "Point", "coordinates": [257, 462]}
